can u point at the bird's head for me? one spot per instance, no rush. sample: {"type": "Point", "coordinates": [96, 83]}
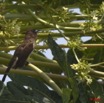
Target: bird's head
{"type": "Point", "coordinates": [31, 34]}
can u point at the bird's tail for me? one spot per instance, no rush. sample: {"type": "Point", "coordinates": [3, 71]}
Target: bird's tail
{"type": "Point", "coordinates": [4, 77]}
{"type": "Point", "coordinates": [5, 74]}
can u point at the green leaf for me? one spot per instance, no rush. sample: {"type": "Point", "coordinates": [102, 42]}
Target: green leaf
{"type": "Point", "coordinates": [23, 93]}
{"type": "Point", "coordinates": [71, 56]}
{"type": "Point", "coordinates": [75, 91]}
{"type": "Point", "coordinates": [66, 95]}
{"type": "Point", "coordinates": [17, 92]}
{"type": "Point", "coordinates": [97, 89]}
{"type": "Point", "coordinates": [39, 88]}
{"type": "Point", "coordinates": [56, 97]}
{"type": "Point", "coordinates": [31, 82]}
{"type": "Point", "coordinates": [84, 98]}
{"type": "Point", "coordinates": [59, 55]}
{"type": "Point", "coordinates": [61, 58]}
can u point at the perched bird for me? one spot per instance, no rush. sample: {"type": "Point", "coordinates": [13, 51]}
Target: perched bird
{"type": "Point", "coordinates": [22, 52]}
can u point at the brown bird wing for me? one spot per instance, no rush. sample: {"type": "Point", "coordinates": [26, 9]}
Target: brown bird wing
{"type": "Point", "coordinates": [22, 52]}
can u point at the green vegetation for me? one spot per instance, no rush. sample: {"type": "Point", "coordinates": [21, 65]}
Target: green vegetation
{"type": "Point", "coordinates": [71, 76]}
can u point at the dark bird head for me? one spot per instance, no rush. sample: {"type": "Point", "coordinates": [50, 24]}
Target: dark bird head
{"type": "Point", "coordinates": [31, 34]}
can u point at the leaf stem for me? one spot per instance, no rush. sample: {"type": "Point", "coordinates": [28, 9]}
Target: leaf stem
{"type": "Point", "coordinates": [46, 46]}
{"type": "Point", "coordinates": [97, 64]}
{"type": "Point", "coordinates": [55, 77]}
{"type": "Point", "coordinates": [46, 78]}
{"type": "Point", "coordinates": [51, 24]}
{"type": "Point", "coordinates": [76, 55]}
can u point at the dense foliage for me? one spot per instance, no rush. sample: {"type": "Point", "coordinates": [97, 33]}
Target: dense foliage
{"type": "Point", "coordinates": [75, 74]}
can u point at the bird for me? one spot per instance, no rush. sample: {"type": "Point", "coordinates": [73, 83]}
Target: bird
{"type": "Point", "coordinates": [22, 52]}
